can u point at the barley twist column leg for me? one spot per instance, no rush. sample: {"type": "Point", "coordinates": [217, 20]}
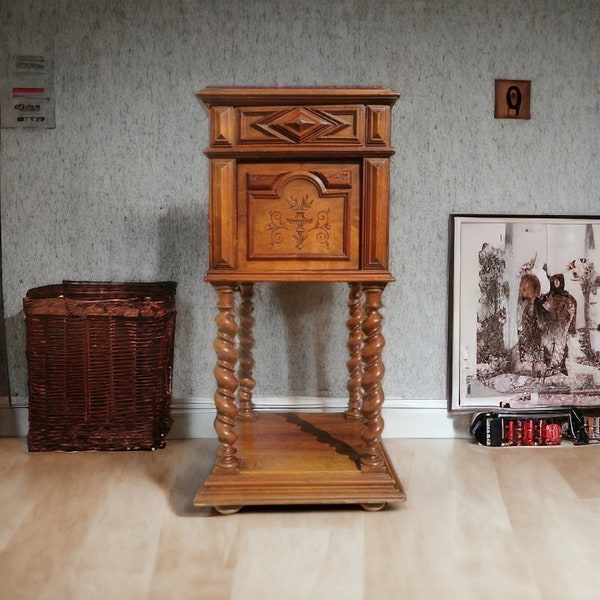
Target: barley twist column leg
{"type": "Point", "coordinates": [246, 364]}
{"type": "Point", "coordinates": [373, 396]}
{"type": "Point", "coordinates": [227, 383]}
{"type": "Point", "coordinates": [354, 344]}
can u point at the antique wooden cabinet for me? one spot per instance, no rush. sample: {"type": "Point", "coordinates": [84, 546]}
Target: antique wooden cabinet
{"type": "Point", "coordinates": [299, 192]}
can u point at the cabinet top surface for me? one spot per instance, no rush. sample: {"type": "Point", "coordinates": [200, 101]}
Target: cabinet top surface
{"type": "Point", "coordinates": [247, 96]}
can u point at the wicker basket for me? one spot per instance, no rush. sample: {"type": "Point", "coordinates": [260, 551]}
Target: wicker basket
{"type": "Point", "coordinates": [100, 359]}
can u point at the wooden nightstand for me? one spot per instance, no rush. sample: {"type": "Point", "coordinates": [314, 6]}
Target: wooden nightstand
{"type": "Point", "coordinates": [299, 192]}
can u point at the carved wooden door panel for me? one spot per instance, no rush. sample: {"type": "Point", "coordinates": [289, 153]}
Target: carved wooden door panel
{"type": "Point", "coordinates": [298, 216]}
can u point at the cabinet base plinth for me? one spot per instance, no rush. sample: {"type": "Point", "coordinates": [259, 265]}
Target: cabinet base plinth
{"type": "Point", "coordinates": [300, 458]}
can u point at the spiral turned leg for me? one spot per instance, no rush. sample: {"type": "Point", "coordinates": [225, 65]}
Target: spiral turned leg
{"type": "Point", "coordinates": [373, 397]}
{"type": "Point", "coordinates": [246, 360]}
{"type": "Point", "coordinates": [354, 344]}
{"type": "Point", "coordinates": [226, 380]}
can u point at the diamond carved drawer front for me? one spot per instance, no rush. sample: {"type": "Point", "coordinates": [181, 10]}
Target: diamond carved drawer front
{"type": "Point", "coordinates": [301, 125]}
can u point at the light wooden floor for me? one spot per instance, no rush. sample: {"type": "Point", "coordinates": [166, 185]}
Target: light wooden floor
{"type": "Point", "coordinates": [494, 523]}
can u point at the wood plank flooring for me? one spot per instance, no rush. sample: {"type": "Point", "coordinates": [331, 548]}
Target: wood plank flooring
{"type": "Point", "coordinates": [478, 523]}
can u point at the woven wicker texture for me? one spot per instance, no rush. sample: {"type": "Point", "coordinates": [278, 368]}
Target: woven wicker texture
{"type": "Point", "coordinates": [100, 359]}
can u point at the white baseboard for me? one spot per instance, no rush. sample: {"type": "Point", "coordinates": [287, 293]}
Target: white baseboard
{"type": "Point", "coordinates": [13, 421]}
{"type": "Point", "coordinates": [194, 417]}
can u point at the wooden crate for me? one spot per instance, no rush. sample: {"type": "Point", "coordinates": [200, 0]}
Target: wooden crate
{"type": "Point", "coordinates": [100, 359]}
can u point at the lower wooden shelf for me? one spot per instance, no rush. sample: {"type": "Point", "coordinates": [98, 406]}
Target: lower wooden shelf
{"type": "Point", "coordinates": [299, 458]}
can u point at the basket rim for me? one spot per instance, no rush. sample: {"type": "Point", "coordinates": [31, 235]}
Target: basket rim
{"type": "Point", "coordinates": [102, 289]}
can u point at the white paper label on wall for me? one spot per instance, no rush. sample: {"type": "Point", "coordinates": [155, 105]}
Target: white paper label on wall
{"type": "Point", "coordinates": [28, 92]}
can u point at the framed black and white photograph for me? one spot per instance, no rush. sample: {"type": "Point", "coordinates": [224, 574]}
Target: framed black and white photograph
{"type": "Point", "coordinates": [525, 312]}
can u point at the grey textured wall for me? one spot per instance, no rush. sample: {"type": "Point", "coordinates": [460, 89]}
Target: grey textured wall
{"type": "Point", "coordinates": [118, 191]}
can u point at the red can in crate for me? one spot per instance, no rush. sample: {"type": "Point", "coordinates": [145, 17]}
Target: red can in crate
{"type": "Point", "coordinates": [553, 434]}
{"type": "Point", "coordinates": [509, 433]}
{"type": "Point", "coordinates": [541, 433]}
{"type": "Point", "coordinates": [528, 432]}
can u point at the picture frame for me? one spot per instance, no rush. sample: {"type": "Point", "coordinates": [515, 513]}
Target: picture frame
{"type": "Point", "coordinates": [524, 312]}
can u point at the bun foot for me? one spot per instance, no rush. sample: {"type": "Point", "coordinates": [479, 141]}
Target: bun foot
{"type": "Point", "coordinates": [227, 510]}
{"type": "Point", "coordinates": [374, 507]}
